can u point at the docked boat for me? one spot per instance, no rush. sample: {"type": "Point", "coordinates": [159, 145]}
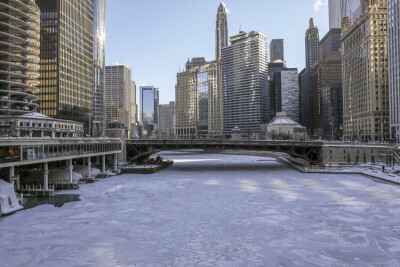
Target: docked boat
{"type": "Point", "coordinates": [147, 168]}
{"type": "Point", "coordinates": [8, 199]}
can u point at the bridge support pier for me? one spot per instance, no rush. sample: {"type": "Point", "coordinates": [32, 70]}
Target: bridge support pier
{"type": "Point", "coordinates": [115, 162]}
{"type": "Point", "coordinates": [89, 168]}
{"type": "Point", "coordinates": [103, 164]}
{"type": "Point", "coordinates": [12, 174]}
{"type": "Point", "coordinates": [70, 168]}
{"type": "Point", "coordinates": [46, 177]}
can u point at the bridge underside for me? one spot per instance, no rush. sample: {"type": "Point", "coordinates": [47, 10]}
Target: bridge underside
{"type": "Point", "coordinates": [137, 151]}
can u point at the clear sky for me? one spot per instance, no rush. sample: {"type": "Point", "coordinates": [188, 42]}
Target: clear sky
{"type": "Point", "coordinates": [156, 37]}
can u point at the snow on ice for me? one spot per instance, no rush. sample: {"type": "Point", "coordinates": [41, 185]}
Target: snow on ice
{"type": "Point", "coordinates": [212, 210]}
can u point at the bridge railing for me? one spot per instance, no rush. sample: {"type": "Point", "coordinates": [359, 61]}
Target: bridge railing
{"type": "Point", "coordinates": [221, 142]}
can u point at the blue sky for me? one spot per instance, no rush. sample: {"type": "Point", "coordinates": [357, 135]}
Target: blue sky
{"type": "Point", "coordinates": [156, 37]}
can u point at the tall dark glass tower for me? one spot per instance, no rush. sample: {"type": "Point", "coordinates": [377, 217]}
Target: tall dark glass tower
{"type": "Point", "coordinates": [277, 51]}
{"type": "Point", "coordinates": [149, 110]}
{"type": "Point", "coordinates": [221, 36]}
{"type": "Point", "coordinates": [66, 59]}
{"type": "Point", "coordinates": [99, 44]}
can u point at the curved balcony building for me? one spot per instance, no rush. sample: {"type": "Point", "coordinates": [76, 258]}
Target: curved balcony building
{"type": "Point", "coordinates": [19, 56]}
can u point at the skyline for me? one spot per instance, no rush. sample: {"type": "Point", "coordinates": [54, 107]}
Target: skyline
{"type": "Point", "coordinates": [197, 36]}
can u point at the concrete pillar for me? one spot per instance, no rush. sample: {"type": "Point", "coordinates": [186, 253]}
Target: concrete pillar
{"type": "Point", "coordinates": [115, 162]}
{"type": "Point", "coordinates": [103, 164]}
{"type": "Point", "coordinates": [70, 168]}
{"type": "Point", "coordinates": [18, 182]}
{"type": "Point", "coordinates": [83, 161]}
{"type": "Point", "coordinates": [89, 168]}
{"type": "Point", "coordinates": [46, 177]}
{"type": "Point", "coordinates": [12, 174]}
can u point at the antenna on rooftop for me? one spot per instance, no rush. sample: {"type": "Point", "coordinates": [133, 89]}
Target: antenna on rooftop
{"type": "Point", "coordinates": [240, 27]}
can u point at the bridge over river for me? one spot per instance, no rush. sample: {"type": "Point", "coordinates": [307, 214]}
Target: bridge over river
{"type": "Point", "coordinates": [314, 152]}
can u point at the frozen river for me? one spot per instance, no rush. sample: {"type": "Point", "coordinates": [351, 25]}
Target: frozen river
{"type": "Point", "coordinates": [213, 210]}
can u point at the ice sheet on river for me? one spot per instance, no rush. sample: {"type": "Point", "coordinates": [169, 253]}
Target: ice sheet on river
{"type": "Point", "coordinates": [213, 210]}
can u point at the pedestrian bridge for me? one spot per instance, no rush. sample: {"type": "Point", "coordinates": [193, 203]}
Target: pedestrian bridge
{"type": "Point", "coordinates": [309, 151]}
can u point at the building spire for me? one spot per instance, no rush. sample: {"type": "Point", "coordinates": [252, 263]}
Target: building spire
{"type": "Point", "coordinates": [311, 23]}
{"type": "Point", "coordinates": [221, 33]}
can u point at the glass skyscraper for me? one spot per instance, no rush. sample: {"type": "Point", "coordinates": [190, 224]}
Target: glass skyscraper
{"type": "Point", "coordinates": [99, 44]}
{"type": "Point", "coordinates": [245, 83]}
{"type": "Point", "coordinates": [66, 59]}
{"type": "Point", "coordinates": [277, 51]}
{"type": "Point", "coordinates": [149, 110]}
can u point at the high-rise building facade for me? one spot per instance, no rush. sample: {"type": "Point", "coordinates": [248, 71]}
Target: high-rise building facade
{"type": "Point", "coordinates": [133, 105]}
{"type": "Point", "coordinates": [66, 59]}
{"type": "Point", "coordinates": [245, 83]}
{"type": "Point", "coordinates": [167, 120]}
{"type": "Point", "coordinates": [118, 94]}
{"type": "Point", "coordinates": [312, 44]}
{"type": "Point", "coordinates": [327, 86]}
{"type": "Point", "coordinates": [365, 75]}
{"type": "Point", "coordinates": [221, 32]}
{"type": "Point", "coordinates": [330, 94]}
{"type": "Point", "coordinates": [277, 50]}
{"type": "Point", "coordinates": [290, 93]}
{"type": "Point", "coordinates": [306, 106]}
{"type": "Point", "coordinates": [394, 67]}
{"type": "Point", "coordinates": [330, 42]}
{"type": "Point", "coordinates": [19, 57]}
{"type": "Point", "coordinates": [306, 78]}
{"type": "Point", "coordinates": [149, 110]}
{"type": "Point", "coordinates": [99, 45]}
{"type": "Point", "coordinates": [334, 14]}
{"type": "Point", "coordinates": [349, 8]}
{"type": "Point", "coordinates": [221, 37]}
{"type": "Point", "coordinates": [275, 86]}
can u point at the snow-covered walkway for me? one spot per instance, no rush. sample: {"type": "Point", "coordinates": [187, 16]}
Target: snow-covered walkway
{"type": "Point", "coordinates": [213, 210]}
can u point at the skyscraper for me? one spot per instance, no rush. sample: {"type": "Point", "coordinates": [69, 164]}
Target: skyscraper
{"type": "Point", "coordinates": [167, 120]}
{"type": "Point", "coordinates": [290, 93]}
{"type": "Point", "coordinates": [275, 86]}
{"type": "Point", "coordinates": [99, 44]}
{"type": "Point", "coordinates": [394, 66]}
{"type": "Point", "coordinates": [365, 75]}
{"type": "Point", "coordinates": [133, 105]}
{"type": "Point", "coordinates": [118, 92]}
{"type": "Point", "coordinates": [277, 50]}
{"type": "Point", "coordinates": [330, 42]}
{"type": "Point", "coordinates": [312, 44]}
{"type": "Point", "coordinates": [349, 8]}
{"type": "Point", "coordinates": [330, 95]}
{"type": "Point", "coordinates": [186, 97]}
{"type": "Point", "coordinates": [66, 59]}
{"type": "Point", "coordinates": [149, 110]}
{"type": "Point", "coordinates": [305, 78]}
{"type": "Point", "coordinates": [245, 83]}
{"type": "Point", "coordinates": [335, 19]}
{"type": "Point", "coordinates": [327, 94]}
{"type": "Point", "coordinates": [215, 114]}
{"type": "Point", "coordinates": [221, 35]}
{"type": "Point", "coordinates": [19, 57]}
